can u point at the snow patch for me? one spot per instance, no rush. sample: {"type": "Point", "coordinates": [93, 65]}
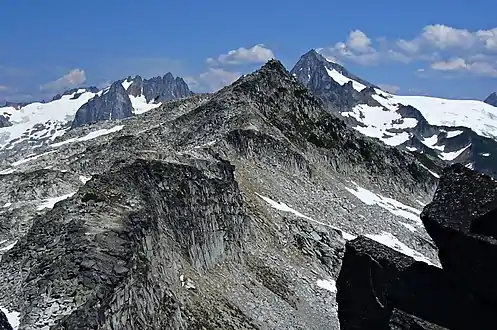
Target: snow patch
{"type": "Point", "coordinates": [342, 80]}
{"type": "Point", "coordinates": [329, 285]}
{"type": "Point", "coordinates": [89, 136]}
{"type": "Point", "coordinates": [140, 104]}
{"type": "Point", "coordinates": [452, 134]}
{"type": "Point", "coordinates": [12, 317]}
{"type": "Point", "coordinates": [7, 205]}
{"type": "Point", "coordinates": [409, 227]}
{"type": "Point", "coordinates": [126, 84]}
{"type": "Point", "coordinates": [8, 247]}
{"type": "Point", "coordinates": [49, 203]}
{"type": "Point", "coordinates": [431, 172]}
{"type": "Point", "coordinates": [454, 154]}
{"type": "Point", "coordinates": [392, 242]}
{"type": "Point", "coordinates": [485, 154]}
{"type": "Point", "coordinates": [285, 208]}
{"type": "Point", "coordinates": [393, 206]}
{"type": "Point", "coordinates": [84, 179]}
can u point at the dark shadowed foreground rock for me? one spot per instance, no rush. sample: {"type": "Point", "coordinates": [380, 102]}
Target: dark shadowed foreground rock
{"type": "Point", "coordinates": [462, 220]}
{"type": "Point", "coordinates": [379, 288]}
{"type": "Point", "coordinates": [4, 323]}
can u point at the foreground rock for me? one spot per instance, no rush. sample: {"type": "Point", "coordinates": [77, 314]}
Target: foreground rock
{"type": "Point", "coordinates": [4, 323]}
{"type": "Point", "coordinates": [462, 220]}
{"type": "Point", "coordinates": [379, 288]}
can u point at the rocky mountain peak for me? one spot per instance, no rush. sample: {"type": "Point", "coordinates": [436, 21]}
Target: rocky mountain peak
{"type": "Point", "coordinates": [112, 103]}
{"type": "Point", "coordinates": [492, 99]}
{"type": "Point", "coordinates": [159, 89]}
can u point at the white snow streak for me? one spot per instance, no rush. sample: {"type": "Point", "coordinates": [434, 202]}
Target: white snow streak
{"type": "Point", "coordinates": [50, 202]}
{"type": "Point", "coordinates": [342, 80]}
{"type": "Point", "coordinates": [8, 247]}
{"type": "Point", "coordinates": [389, 204]}
{"type": "Point", "coordinates": [392, 242]}
{"type": "Point", "coordinates": [89, 136]}
{"type": "Point", "coordinates": [285, 208]}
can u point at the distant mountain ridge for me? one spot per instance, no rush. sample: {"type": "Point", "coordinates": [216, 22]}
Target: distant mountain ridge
{"type": "Point", "coordinates": [23, 125]}
{"type": "Point", "coordinates": [452, 130]}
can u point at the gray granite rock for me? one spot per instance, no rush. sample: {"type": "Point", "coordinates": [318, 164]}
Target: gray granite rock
{"type": "Point", "coordinates": [113, 103]}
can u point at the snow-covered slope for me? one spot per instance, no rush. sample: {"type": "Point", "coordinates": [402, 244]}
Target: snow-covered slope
{"type": "Point", "coordinates": [452, 130]}
{"type": "Point", "coordinates": [37, 121]}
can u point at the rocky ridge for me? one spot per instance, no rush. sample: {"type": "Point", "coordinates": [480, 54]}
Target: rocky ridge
{"type": "Point", "coordinates": [228, 210]}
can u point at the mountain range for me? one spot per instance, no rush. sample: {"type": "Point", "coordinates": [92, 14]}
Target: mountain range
{"type": "Point", "coordinates": [143, 205]}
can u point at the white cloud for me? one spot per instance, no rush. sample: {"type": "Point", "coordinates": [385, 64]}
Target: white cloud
{"type": "Point", "coordinates": [256, 54]}
{"type": "Point", "coordinates": [3, 88]}
{"type": "Point", "coordinates": [442, 47]}
{"type": "Point", "coordinates": [73, 78]}
{"type": "Point", "coordinates": [460, 64]}
{"type": "Point", "coordinates": [357, 48]}
{"type": "Point", "coordinates": [212, 80]}
{"type": "Point", "coordinates": [389, 88]}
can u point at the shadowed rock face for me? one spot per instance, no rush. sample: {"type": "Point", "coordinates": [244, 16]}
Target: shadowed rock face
{"type": "Point", "coordinates": [112, 104]}
{"type": "Point", "coordinates": [492, 99]}
{"type": "Point", "coordinates": [461, 220]}
{"type": "Point", "coordinates": [375, 280]}
{"type": "Point", "coordinates": [4, 122]}
{"type": "Point", "coordinates": [4, 323]}
{"type": "Point", "coordinates": [129, 233]}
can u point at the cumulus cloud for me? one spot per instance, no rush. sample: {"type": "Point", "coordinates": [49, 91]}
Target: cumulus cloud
{"type": "Point", "coordinates": [3, 88]}
{"type": "Point", "coordinates": [256, 54]}
{"type": "Point", "coordinates": [389, 88]}
{"type": "Point", "coordinates": [357, 48]}
{"type": "Point", "coordinates": [73, 78]}
{"type": "Point", "coordinates": [212, 80]}
{"type": "Point", "coordinates": [442, 47]}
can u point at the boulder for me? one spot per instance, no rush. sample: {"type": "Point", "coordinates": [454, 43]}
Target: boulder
{"type": "Point", "coordinates": [462, 220]}
{"type": "Point", "coordinates": [375, 280]}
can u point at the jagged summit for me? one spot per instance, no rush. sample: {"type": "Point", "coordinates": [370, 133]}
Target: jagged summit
{"type": "Point", "coordinates": [492, 99]}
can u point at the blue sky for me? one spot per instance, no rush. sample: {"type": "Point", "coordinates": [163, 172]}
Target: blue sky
{"type": "Point", "coordinates": [442, 48]}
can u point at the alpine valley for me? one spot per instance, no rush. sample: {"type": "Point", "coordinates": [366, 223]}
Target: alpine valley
{"type": "Point", "coordinates": [146, 206]}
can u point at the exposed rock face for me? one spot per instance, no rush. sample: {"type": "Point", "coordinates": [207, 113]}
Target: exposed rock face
{"type": "Point", "coordinates": [159, 89]}
{"type": "Point", "coordinates": [111, 104]}
{"type": "Point", "coordinates": [492, 99]}
{"type": "Point", "coordinates": [104, 245]}
{"type": "Point", "coordinates": [4, 122]}
{"type": "Point", "coordinates": [375, 281]}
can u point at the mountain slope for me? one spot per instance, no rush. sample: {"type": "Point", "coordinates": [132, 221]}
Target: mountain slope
{"type": "Point", "coordinates": [452, 130]}
{"type": "Point", "coordinates": [228, 210]}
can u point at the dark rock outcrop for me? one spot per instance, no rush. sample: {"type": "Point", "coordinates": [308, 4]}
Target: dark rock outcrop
{"type": "Point", "coordinates": [4, 122]}
{"type": "Point", "coordinates": [375, 280]}
{"type": "Point", "coordinates": [4, 322]}
{"type": "Point", "coordinates": [159, 89]}
{"type": "Point", "coordinates": [461, 220]}
{"type": "Point", "coordinates": [113, 103]}
{"type": "Point", "coordinates": [492, 99]}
